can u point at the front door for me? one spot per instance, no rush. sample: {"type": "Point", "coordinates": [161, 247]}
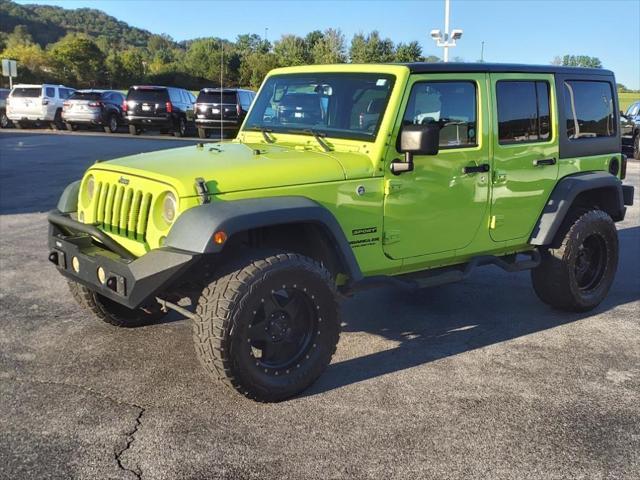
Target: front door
{"type": "Point", "coordinates": [439, 207]}
{"type": "Point", "coordinates": [525, 152]}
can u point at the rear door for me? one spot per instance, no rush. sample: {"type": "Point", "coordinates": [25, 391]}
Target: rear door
{"type": "Point", "coordinates": [26, 101]}
{"type": "Point", "coordinates": [525, 152]}
{"type": "Point", "coordinates": [218, 106]}
{"type": "Point", "coordinates": [148, 101]}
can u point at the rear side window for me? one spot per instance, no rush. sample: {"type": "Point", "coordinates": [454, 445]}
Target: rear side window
{"type": "Point", "coordinates": [245, 100]}
{"type": "Point", "coordinates": [65, 92]}
{"type": "Point", "coordinates": [589, 109]}
{"type": "Point", "coordinates": [154, 95]}
{"type": "Point", "coordinates": [50, 92]}
{"type": "Point", "coordinates": [212, 96]}
{"type": "Point", "coordinates": [523, 112]}
{"type": "Point", "coordinates": [26, 92]}
{"type": "Point", "coordinates": [452, 105]}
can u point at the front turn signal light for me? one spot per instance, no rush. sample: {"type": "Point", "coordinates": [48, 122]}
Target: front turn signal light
{"type": "Point", "coordinates": [219, 237]}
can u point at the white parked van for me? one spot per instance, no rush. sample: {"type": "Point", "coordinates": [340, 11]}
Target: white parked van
{"type": "Point", "coordinates": [28, 104]}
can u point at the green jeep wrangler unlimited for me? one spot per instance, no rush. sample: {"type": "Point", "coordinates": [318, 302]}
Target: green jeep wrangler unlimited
{"type": "Point", "coordinates": [345, 177]}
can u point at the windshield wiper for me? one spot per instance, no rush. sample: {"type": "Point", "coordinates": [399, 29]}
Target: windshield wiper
{"type": "Point", "coordinates": [319, 138]}
{"type": "Point", "coordinates": [266, 133]}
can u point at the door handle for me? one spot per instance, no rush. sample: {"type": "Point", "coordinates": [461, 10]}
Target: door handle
{"type": "Point", "coordinates": [483, 168]}
{"type": "Point", "coordinates": [545, 161]}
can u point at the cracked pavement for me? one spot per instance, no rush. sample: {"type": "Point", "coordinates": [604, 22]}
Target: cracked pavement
{"type": "Point", "coordinates": [472, 380]}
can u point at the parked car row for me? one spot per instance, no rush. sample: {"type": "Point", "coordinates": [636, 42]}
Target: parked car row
{"type": "Point", "coordinates": [144, 107]}
{"type": "Point", "coordinates": [630, 129]}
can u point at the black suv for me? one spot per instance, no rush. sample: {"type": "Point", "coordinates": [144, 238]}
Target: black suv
{"type": "Point", "coordinates": [630, 128]}
{"type": "Point", "coordinates": [222, 108]}
{"type": "Point", "coordinates": [94, 107]}
{"type": "Point", "coordinates": [167, 109]}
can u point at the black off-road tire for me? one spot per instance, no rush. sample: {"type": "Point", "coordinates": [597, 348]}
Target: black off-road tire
{"type": "Point", "coordinates": [111, 312]}
{"type": "Point", "coordinates": [577, 270]}
{"type": "Point", "coordinates": [636, 146]}
{"type": "Point", "coordinates": [134, 130]}
{"type": "Point", "coordinates": [231, 311]}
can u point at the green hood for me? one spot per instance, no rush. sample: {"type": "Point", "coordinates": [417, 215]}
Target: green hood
{"type": "Point", "coordinates": [230, 167]}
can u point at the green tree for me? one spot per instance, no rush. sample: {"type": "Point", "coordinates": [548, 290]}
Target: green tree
{"type": "Point", "coordinates": [371, 49]}
{"type": "Point", "coordinates": [20, 37]}
{"type": "Point", "coordinates": [578, 61]}
{"type": "Point", "coordinates": [78, 60]}
{"type": "Point", "coordinates": [330, 48]}
{"type": "Point", "coordinates": [133, 67]}
{"type": "Point", "coordinates": [431, 59]}
{"type": "Point", "coordinates": [291, 50]}
{"type": "Point", "coordinates": [255, 67]}
{"type": "Point", "coordinates": [408, 52]}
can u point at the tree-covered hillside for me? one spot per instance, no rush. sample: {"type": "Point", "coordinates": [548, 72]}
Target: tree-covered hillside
{"type": "Point", "coordinates": [48, 24]}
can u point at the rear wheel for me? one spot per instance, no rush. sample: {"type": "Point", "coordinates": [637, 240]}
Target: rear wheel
{"type": "Point", "coordinates": [4, 120]}
{"type": "Point", "coordinates": [134, 130]}
{"type": "Point", "coordinates": [112, 312]}
{"type": "Point", "coordinates": [181, 128]}
{"type": "Point", "coordinates": [19, 125]}
{"type": "Point", "coordinates": [268, 326]}
{"type": "Point", "coordinates": [203, 133]}
{"type": "Point", "coordinates": [576, 273]}
{"type": "Point", "coordinates": [57, 123]}
{"type": "Point", "coordinates": [112, 124]}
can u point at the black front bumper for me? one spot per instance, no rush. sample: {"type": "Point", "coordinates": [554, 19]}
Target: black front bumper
{"type": "Point", "coordinates": [80, 250]}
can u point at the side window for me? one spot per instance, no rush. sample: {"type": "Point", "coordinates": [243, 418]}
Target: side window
{"type": "Point", "coordinates": [523, 111]}
{"type": "Point", "coordinates": [589, 109]}
{"type": "Point", "coordinates": [452, 105]}
{"type": "Point", "coordinates": [50, 92]}
{"type": "Point", "coordinates": [245, 101]}
{"type": "Point", "coordinates": [65, 92]}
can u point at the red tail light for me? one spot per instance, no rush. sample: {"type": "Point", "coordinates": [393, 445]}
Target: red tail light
{"type": "Point", "coordinates": [125, 106]}
{"type": "Point", "coordinates": [169, 107]}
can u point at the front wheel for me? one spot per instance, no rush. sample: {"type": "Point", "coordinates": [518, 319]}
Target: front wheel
{"type": "Point", "coordinates": [112, 312]}
{"type": "Point", "coordinates": [112, 124]}
{"type": "Point", "coordinates": [269, 325]}
{"type": "Point", "coordinates": [576, 273]}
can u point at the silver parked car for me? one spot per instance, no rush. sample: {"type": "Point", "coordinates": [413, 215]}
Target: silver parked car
{"type": "Point", "coordinates": [37, 104]}
{"type": "Point", "coordinates": [101, 108]}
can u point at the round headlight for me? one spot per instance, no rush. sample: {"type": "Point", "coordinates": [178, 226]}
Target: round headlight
{"type": "Point", "coordinates": [169, 207]}
{"type": "Point", "coordinates": [90, 186]}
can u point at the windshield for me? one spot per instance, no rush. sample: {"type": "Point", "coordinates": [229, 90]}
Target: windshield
{"type": "Point", "coordinates": [343, 105]}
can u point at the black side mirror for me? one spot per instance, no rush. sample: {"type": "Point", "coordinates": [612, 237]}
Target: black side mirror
{"type": "Point", "coordinates": [417, 140]}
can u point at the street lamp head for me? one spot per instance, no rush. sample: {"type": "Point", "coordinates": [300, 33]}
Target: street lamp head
{"type": "Point", "coordinates": [436, 34]}
{"type": "Point", "coordinates": [456, 34]}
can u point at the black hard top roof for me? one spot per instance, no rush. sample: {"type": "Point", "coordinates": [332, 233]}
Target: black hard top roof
{"type": "Point", "coordinates": [422, 67]}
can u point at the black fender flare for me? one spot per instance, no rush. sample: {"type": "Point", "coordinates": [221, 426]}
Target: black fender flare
{"type": "Point", "coordinates": [194, 228]}
{"type": "Point", "coordinates": [564, 194]}
{"type": "Point", "coordinates": [68, 201]}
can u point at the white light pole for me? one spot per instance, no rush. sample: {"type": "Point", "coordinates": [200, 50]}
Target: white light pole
{"type": "Point", "coordinates": [447, 40]}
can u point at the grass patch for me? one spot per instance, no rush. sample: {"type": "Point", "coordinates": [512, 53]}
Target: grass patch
{"type": "Point", "coordinates": [626, 99]}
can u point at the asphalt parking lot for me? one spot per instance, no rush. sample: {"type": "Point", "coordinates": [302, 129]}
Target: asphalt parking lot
{"type": "Point", "coordinates": [471, 380]}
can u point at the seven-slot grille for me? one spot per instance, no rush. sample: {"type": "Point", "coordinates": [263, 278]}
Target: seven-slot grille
{"type": "Point", "coordinates": [122, 210]}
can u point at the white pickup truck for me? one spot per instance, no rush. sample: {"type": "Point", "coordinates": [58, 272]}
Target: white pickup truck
{"type": "Point", "coordinates": [28, 104]}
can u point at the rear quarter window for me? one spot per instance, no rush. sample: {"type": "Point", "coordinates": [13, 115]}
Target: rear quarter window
{"type": "Point", "coordinates": [589, 109]}
{"type": "Point", "coordinates": [215, 97]}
